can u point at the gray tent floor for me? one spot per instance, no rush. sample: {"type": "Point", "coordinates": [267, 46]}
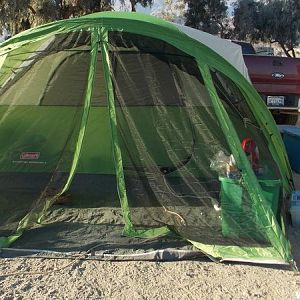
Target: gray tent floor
{"type": "Point", "coordinates": [71, 229]}
{"type": "Point", "coordinates": [97, 232]}
{"type": "Point", "coordinates": [88, 224]}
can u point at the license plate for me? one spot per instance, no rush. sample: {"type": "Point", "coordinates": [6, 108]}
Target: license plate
{"type": "Point", "coordinates": [275, 100]}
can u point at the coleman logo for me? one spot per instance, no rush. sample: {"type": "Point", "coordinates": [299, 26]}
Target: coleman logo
{"type": "Point", "coordinates": [277, 75]}
{"type": "Point", "coordinates": [30, 155]}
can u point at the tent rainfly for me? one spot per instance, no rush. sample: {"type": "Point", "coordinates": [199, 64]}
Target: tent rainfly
{"type": "Point", "coordinates": [125, 133]}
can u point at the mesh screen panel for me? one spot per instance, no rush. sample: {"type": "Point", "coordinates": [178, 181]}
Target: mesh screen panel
{"type": "Point", "coordinates": [38, 140]}
{"type": "Point", "coordinates": [244, 121]}
{"type": "Point", "coordinates": [169, 135]}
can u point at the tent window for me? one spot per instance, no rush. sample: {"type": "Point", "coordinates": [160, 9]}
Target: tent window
{"type": "Point", "coordinates": [150, 72]}
{"type": "Point", "coordinates": [232, 97]}
{"type": "Point", "coordinates": [72, 74]}
{"type": "Point", "coordinates": [243, 119]}
{"type": "Point", "coordinates": [125, 41]}
{"type": "Point", "coordinates": [52, 72]}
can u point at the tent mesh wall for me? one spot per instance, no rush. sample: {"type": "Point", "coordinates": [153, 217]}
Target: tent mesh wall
{"type": "Point", "coordinates": [115, 136]}
{"type": "Point", "coordinates": [40, 122]}
{"type": "Point", "coordinates": [169, 136]}
{"type": "Point", "coordinates": [244, 121]}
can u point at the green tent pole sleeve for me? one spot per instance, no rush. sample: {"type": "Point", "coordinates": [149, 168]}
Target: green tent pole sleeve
{"type": "Point", "coordinates": [85, 115]}
{"type": "Point", "coordinates": [269, 222]}
{"type": "Point", "coordinates": [86, 108]}
{"type": "Point", "coordinates": [113, 122]}
{"type": "Point", "coordinates": [129, 228]}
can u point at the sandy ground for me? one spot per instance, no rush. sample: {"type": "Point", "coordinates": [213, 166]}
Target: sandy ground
{"type": "Point", "coordinates": [65, 279]}
{"type": "Point", "coordinates": [145, 280]}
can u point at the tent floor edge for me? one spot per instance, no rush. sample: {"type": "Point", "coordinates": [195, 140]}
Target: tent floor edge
{"type": "Point", "coordinates": [255, 255]}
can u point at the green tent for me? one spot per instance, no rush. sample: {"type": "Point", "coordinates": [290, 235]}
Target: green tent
{"type": "Point", "coordinates": [116, 130]}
